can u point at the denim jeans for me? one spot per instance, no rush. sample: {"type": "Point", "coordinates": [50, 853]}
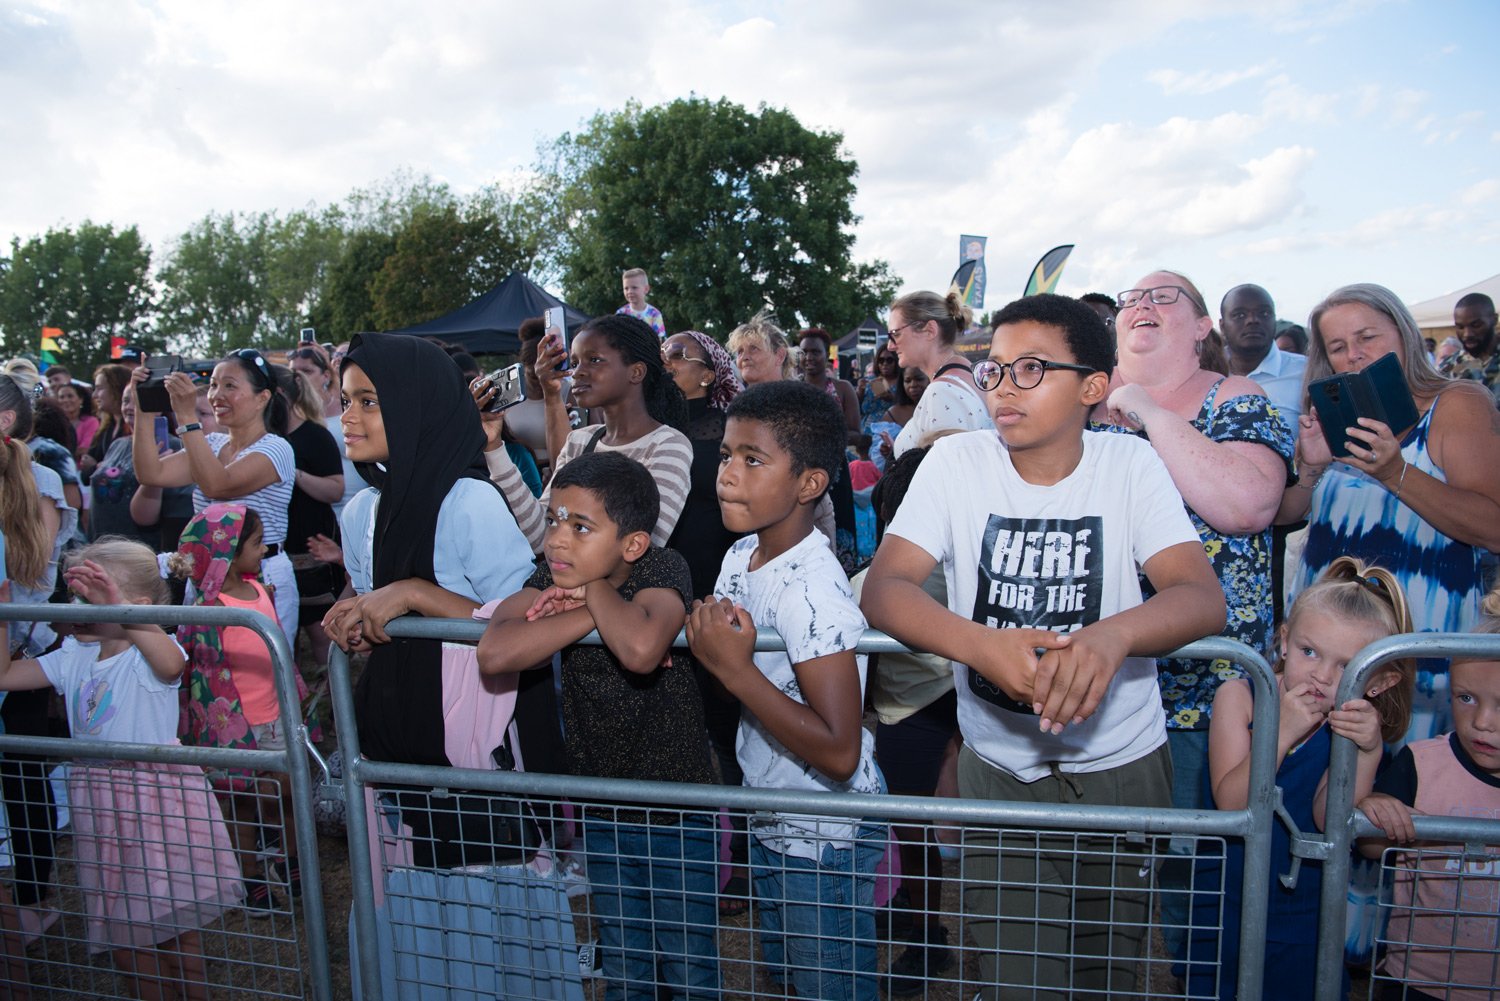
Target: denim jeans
{"type": "Point", "coordinates": [817, 918]}
{"type": "Point", "coordinates": [655, 893]}
{"type": "Point", "coordinates": [1189, 761]}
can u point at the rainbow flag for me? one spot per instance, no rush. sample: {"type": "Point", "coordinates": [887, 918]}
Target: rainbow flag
{"type": "Point", "coordinates": [51, 352]}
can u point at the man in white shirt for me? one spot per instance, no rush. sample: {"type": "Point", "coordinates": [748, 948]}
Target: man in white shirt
{"type": "Point", "coordinates": [1247, 319]}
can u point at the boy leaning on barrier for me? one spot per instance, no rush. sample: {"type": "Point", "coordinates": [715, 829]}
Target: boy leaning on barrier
{"type": "Point", "coordinates": [631, 710]}
{"type": "Point", "coordinates": [1042, 528]}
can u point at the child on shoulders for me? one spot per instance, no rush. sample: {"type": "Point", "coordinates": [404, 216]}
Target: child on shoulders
{"type": "Point", "coordinates": [1042, 529]}
{"type": "Point", "coordinates": [1442, 934]}
{"type": "Point", "coordinates": [636, 286]}
{"type": "Point", "coordinates": [814, 877]}
{"type": "Point", "coordinates": [631, 710]}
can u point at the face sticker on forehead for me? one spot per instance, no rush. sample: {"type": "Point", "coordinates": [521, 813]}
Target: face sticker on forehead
{"type": "Point", "coordinates": [562, 514]}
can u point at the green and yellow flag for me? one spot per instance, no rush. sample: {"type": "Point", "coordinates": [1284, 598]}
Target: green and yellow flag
{"type": "Point", "coordinates": [1048, 270]}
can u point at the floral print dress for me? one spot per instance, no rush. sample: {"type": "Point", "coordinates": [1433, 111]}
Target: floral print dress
{"type": "Point", "coordinates": [1241, 562]}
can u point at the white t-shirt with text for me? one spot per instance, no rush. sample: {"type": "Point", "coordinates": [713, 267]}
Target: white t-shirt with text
{"type": "Point", "coordinates": [1054, 557]}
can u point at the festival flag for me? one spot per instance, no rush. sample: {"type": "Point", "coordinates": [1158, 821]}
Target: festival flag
{"type": "Point", "coordinates": [971, 255]}
{"type": "Point", "coordinates": [51, 352]}
{"type": "Point", "coordinates": [116, 348]}
{"type": "Point", "coordinates": [963, 278]}
{"type": "Point", "coordinates": [1048, 270]}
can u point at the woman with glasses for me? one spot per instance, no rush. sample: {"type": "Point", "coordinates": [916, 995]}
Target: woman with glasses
{"type": "Point", "coordinates": [249, 461]}
{"type": "Point", "coordinates": [877, 392]}
{"type": "Point", "coordinates": [1421, 501]}
{"type": "Point", "coordinates": [924, 328]}
{"type": "Point", "coordinates": [616, 366]}
{"type": "Point", "coordinates": [1229, 455]}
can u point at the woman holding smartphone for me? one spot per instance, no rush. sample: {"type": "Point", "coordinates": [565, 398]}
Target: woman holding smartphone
{"type": "Point", "coordinates": [1423, 501]}
{"type": "Point", "coordinates": [249, 461]}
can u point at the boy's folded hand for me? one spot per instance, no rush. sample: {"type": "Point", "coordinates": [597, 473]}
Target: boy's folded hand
{"type": "Point", "coordinates": [1009, 660]}
{"type": "Point", "coordinates": [1071, 679]}
{"type": "Point", "coordinates": [722, 637]}
{"type": "Point", "coordinates": [554, 601]}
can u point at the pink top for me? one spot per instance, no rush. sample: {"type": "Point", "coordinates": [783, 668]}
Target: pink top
{"type": "Point", "coordinates": [863, 473]}
{"type": "Point", "coordinates": [86, 428]}
{"type": "Point", "coordinates": [250, 662]}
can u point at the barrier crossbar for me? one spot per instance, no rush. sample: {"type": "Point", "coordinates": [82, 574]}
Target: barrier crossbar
{"type": "Point", "coordinates": [1129, 841]}
{"type": "Point", "coordinates": [260, 958]}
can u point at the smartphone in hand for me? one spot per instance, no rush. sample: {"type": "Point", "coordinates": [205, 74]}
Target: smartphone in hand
{"type": "Point", "coordinates": [510, 388]}
{"type": "Point", "coordinates": [159, 429]}
{"type": "Point", "coordinates": [554, 320]}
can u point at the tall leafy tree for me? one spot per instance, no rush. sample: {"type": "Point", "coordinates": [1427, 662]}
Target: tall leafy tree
{"type": "Point", "coordinates": [728, 210]}
{"type": "Point", "coordinates": [92, 282]}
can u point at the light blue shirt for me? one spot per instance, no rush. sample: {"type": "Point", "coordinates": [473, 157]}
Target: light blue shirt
{"type": "Point", "coordinates": [479, 551]}
{"type": "Point", "coordinates": [1280, 375]}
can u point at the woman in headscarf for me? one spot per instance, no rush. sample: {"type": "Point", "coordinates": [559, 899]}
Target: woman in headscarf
{"type": "Point", "coordinates": [432, 537]}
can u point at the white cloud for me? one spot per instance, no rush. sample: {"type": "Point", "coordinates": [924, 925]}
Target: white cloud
{"type": "Point", "coordinates": [1174, 82]}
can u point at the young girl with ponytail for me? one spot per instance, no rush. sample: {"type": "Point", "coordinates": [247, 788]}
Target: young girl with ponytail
{"type": "Point", "coordinates": [616, 366]}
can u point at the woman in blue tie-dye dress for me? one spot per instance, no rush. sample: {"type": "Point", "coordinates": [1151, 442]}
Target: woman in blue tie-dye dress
{"type": "Point", "coordinates": [1423, 501]}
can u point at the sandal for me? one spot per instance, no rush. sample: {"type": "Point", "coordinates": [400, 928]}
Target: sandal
{"type": "Point", "coordinates": [734, 898]}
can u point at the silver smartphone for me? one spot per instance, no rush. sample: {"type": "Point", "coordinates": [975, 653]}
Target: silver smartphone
{"type": "Point", "coordinates": [510, 388]}
{"type": "Point", "coordinates": [555, 318]}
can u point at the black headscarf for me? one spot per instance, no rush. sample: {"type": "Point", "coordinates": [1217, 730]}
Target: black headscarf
{"type": "Point", "coordinates": [434, 438]}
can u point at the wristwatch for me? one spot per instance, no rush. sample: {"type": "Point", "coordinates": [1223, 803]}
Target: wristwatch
{"type": "Point", "coordinates": [194, 426]}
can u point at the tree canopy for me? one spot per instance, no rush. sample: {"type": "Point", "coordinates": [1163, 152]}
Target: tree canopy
{"type": "Point", "coordinates": [727, 210]}
{"type": "Point", "coordinates": [92, 282]}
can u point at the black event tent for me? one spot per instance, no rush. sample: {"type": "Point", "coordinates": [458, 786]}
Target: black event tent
{"type": "Point", "coordinates": [487, 326]}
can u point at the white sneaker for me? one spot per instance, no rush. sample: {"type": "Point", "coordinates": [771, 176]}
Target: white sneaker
{"type": "Point", "coordinates": [590, 963]}
{"type": "Point", "coordinates": [572, 872]}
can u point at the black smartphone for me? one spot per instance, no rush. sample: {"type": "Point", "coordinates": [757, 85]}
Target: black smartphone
{"type": "Point", "coordinates": [510, 388]}
{"type": "Point", "coordinates": [555, 319]}
{"type": "Point", "coordinates": [1378, 392]}
{"type": "Point", "coordinates": [151, 396]}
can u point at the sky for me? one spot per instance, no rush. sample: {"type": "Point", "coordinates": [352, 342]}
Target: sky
{"type": "Point", "coordinates": [1300, 146]}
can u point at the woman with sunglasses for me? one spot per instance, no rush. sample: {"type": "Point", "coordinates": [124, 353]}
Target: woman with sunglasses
{"type": "Point", "coordinates": [247, 462]}
{"type": "Point", "coordinates": [877, 392]}
{"type": "Point", "coordinates": [1230, 456]}
{"type": "Point", "coordinates": [924, 328]}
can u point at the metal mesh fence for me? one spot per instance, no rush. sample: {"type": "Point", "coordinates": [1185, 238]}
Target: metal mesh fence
{"type": "Point", "coordinates": [132, 875]}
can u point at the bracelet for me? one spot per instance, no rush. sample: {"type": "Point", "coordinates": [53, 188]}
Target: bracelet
{"type": "Point", "coordinates": [1402, 481]}
{"type": "Point", "coordinates": [194, 426]}
{"type": "Point", "coordinates": [1314, 483]}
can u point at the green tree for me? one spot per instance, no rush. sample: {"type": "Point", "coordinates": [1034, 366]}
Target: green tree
{"type": "Point", "coordinates": [728, 211]}
{"type": "Point", "coordinates": [92, 282]}
{"type": "Point", "coordinates": [215, 295]}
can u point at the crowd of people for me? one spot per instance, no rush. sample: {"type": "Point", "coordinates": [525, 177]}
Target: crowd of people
{"type": "Point", "coordinates": [1118, 477]}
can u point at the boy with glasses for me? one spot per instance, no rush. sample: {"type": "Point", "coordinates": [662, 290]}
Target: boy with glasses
{"type": "Point", "coordinates": [1043, 529]}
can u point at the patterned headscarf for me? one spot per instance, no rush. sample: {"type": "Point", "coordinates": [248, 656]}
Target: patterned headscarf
{"type": "Point", "coordinates": [727, 384]}
{"type": "Point", "coordinates": [208, 545]}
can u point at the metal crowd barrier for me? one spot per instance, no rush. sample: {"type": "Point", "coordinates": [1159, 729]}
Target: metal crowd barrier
{"type": "Point", "coordinates": [259, 956]}
{"type": "Point", "coordinates": [1079, 832]}
{"type": "Point", "coordinates": [1472, 839]}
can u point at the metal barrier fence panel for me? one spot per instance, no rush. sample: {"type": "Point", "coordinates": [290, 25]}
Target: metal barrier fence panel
{"type": "Point", "coordinates": [152, 805]}
{"type": "Point", "coordinates": [1020, 894]}
{"type": "Point", "coordinates": [1453, 868]}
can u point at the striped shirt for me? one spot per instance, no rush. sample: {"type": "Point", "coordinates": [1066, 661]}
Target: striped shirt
{"type": "Point", "coordinates": [270, 501]}
{"type": "Point", "coordinates": [666, 452]}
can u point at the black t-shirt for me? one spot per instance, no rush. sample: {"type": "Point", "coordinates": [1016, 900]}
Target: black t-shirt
{"type": "Point", "coordinates": [620, 724]}
{"type": "Point", "coordinates": [317, 454]}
